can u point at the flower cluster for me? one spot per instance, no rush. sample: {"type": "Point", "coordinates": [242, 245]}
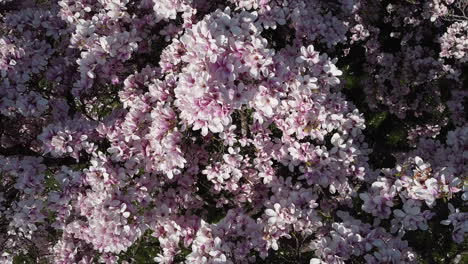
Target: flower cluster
{"type": "Point", "coordinates": [352, 237]}
{"type": "Point", "coordinates": [454, 42]}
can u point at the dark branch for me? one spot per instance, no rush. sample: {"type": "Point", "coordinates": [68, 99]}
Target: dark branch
{"type": "Point", "coordinates": [49, 161]}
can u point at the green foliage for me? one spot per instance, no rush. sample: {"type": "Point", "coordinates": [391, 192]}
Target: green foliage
{"type": "Point", "coordinates": [143, 251]}
{"type": "Point", "coordinates": [396, 137]}
{"type": "Point", "coordinates": [24, 259]}
{"type": "Point", "coordinates": [50, 181]}
{"type": "Point", "coordinates": [376, 120]}
{"type": "Point", "coordinates": [180, 258]}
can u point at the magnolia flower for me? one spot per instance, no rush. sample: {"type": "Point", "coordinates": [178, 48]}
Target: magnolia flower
{"type": "Point", "coordinates": [420, 165]}
{"type": "Point", "coordinates": [308, 55]}
{"type": "Point", "coordinates": [428, 192]}
{"type": "Point", "coordinates": [411, 216]}
{"type": "Point", "coordinates": [459, 220]}
{"type": "Point", "coordinates": [331, 72]}
{"type": "Point", "coordinates": [316, 261]}
{"type": "Point", "coordinates": [266, 104]}
{"type": "Point", "coordinates": [274, 214]}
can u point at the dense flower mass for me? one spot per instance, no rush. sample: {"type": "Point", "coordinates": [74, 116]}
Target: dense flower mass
{"type": "Point", "coordinates": [239, 131]}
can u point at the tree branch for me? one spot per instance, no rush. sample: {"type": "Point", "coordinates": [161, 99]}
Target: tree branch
{"type": "Point", "coordinates": [49, 161]}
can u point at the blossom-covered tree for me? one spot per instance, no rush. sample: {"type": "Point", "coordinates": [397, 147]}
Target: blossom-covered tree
{"type": "Point", "coordinates": [239, 131]}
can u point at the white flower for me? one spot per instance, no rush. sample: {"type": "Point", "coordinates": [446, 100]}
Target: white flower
{"type": "Point", "coordinates": [316, 261]}
{"type": "Point", "coordinates": [411, 216]}
{"type": "Point", "coordinates": [306, 82]}
{"type": "Point", "coordinates": [332, 71]}
{"type": "Point", "coordinates": [421, 166]}
{"type": "Point", "coordinates": [274, 214]}
{"type": "Point", "coordinates": [309, 55]}
{"type": "Point", "coordinates": [266, 103]}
